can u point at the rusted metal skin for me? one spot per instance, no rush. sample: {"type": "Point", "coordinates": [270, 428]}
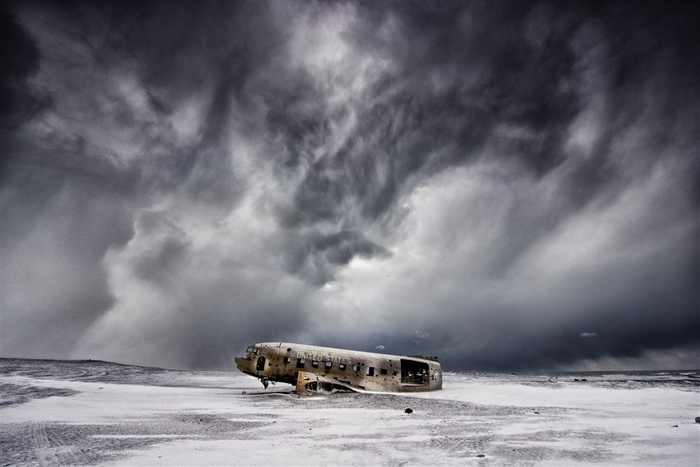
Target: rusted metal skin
{"type": "Point", "coordinates": [312, 368]}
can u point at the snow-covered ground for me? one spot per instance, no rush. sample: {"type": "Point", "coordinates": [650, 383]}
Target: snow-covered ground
{"type": "Point", "coordinates": [68, 413]}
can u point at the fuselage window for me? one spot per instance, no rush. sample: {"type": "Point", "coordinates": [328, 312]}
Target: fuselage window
{"type": "Point", "coordinates": [287, 360]}
{"type": "Point", "coordinates": [370, 371]}
{"type": "Point", "coordinates": [329, 365]}
{"type": "Point", "coordinates": [384, 371]}
{"type": "Point", "coordinates": [301, 362]}
{"type": "Point", "coordinates": [314, 363]}
{"type": "Point", "coordinates": [356, 367]}
{"type": "Point", "coordinates": [341, 366]}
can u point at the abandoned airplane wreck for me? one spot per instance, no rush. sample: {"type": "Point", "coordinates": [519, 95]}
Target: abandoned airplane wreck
{"type": "Point", "coordinates": [312, 368]}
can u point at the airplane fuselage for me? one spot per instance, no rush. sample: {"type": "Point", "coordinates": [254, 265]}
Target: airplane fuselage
{"type": "Point", "coordinates": [313, 368]}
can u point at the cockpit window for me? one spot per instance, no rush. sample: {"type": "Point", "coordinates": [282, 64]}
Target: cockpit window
{"type": "Point", "coordinates": [252, 349]}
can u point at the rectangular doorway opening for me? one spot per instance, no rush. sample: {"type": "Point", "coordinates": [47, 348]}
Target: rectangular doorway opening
{"type": "Point", "coordinates": [413, 372]}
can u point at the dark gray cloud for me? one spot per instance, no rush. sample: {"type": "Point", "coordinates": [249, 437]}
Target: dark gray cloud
{"type": "Point", "coordinates": [18, 102]}
{"type": "Point", "coordinates": [510, 185]}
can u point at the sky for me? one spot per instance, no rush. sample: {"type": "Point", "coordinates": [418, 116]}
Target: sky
{"type": "Point", "coordinates": [507, 185]}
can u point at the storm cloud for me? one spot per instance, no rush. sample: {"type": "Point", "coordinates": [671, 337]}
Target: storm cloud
{"type": "Point", "coordinates": [508, 185]}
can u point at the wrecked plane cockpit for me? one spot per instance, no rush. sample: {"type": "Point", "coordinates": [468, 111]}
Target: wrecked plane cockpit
{"type": "Point", "coordinates": [313, 368]}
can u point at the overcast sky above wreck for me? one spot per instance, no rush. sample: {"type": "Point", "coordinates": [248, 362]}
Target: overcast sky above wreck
{"type": "Point", "coordinates": [508, 185]}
